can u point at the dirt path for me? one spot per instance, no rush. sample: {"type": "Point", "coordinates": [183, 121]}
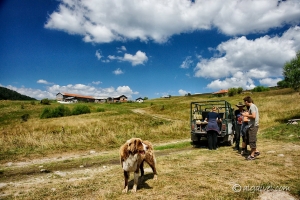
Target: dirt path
{"type": "Point", "coordinates": [29, 181]}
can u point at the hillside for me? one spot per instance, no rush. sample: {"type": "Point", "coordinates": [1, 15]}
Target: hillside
{"type": "Point", "coordinates": [7, 94]}
{"type": "Point", "coordinates": [76, 157]}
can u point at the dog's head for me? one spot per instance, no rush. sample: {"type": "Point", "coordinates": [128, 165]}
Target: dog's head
{"type": "Point", "coordinates": [136, 145]}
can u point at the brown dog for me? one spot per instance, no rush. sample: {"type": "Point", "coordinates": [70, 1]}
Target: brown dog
{"type": "Point", "coordinates": [133, 154]}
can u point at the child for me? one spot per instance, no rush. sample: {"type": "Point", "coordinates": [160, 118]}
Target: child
{"type": "Point", "coordinates": [244, 128]}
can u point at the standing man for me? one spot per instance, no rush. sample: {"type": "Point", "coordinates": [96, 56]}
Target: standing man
{"type": "Point", "coordinates": [253, 116]}
{"type": "Point", "coordinates": [238, 124]}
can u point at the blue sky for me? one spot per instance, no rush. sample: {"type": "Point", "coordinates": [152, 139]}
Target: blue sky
{"type": "Point", "coordinates": [145, 48]}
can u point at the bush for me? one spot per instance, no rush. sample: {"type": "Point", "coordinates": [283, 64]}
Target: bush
{"type": "Point", "coordinates": [80, 109]}
{"type": "Point", "coordinates": [260, 89]}
{"type": "Point", "coordinates": [240, 90]}
{"type": "Point", "coordinates": [232, 91]}
{"type": "Point", "coordinates": [25, 117]}
{"type": "Point", "coordinates": [61, 111]}
{"type": "Point", "coordinates": [45, 102]}
{"type": "Point", "coordinates": [46, 113]}
{"type": "Point", "coordinates": [100, 110]}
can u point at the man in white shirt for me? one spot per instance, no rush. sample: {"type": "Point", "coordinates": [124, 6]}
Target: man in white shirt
{"type": "Point", "coordinates": [253, 116]}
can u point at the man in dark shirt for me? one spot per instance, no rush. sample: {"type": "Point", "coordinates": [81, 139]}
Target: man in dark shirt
{"type": "Point", "coordinates": [238, 124]}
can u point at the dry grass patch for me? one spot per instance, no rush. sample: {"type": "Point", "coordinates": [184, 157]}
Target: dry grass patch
{"type": "Point", "coordinates": [185, 174]}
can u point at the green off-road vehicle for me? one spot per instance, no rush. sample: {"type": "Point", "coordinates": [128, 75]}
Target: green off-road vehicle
{"type": "Point", "coordinates": [198, 113]}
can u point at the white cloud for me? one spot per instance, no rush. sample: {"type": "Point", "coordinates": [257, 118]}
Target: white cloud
{"type": "Point", "coordinates": [233, 82]}
{"type": "Point", "coordinates": [187, 62]}
{"type": "Point", "coordinates": [101, 21]}
{"type": "Point", "coordinates": [125, 90]}
{"type": "Point", "coordinates": [34, 93]}
{"type": "Point", "coordinates": [182, 92]}
{"type": "Point", "coordinates": [93, 91]}
{"type": "Point", "coordinates": [44, 82]}
{"type": "Point", "coordinates": [98, 54]}
{"type": "Point", "coordinates": [243, 60]}
{"type": "Point", "coordinates": [138, 59]}
{"type": "Point", "coordinates": [270, 81]}
{"type": "Point", "coordinates": [118, 71]}
{"type": "Point", "coordinates": [51, 91]}
{"type": "Point", "coordinates": [121, 49]}
{"type": "Point", "coordinates": [96, 82]}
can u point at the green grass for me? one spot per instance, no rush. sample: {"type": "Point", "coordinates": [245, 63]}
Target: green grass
{"type": "Point", "coordinates": [283, 132]}
{"type": "Point", "coordinates": [178, 145]}
{"type": "Point", "coordinates": [109, 125]}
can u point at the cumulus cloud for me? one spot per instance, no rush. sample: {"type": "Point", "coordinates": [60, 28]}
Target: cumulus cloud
{"type": "Point", "coordinates": [118, 71]}
{"type": "Point", "coordinates": [44, 82]}
{"type": "Point", "coordinates": [121, 49]}
{"type": "Point", "coordinates": [182, 92]}
{"type": "Point", "coordinates": [103, 21]}
{"type": "Point", "coordinates": [138, 59]}
{"type": "Point", "coordinates": [98, 54]}
{"type": "Point", "coordinates": [242, 60]}
{"type": "Point", "coordinates": [187, 62]}
{"type": "Point", "coordinates": [34, 93]}
{"type": "Point", "coordinates": [96, 82]}
{"type": "Point", "coordinates": [270, 81]}
{"type": "Point", "coordinates": [93, 91]}
{"type": "Point", "coordinates": [51, 91]}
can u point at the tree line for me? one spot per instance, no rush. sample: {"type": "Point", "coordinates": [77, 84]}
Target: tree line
{"type": "Point", "coordinates": [7, 94]}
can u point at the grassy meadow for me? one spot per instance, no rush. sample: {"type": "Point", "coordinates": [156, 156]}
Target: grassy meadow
{"type": "Point", "coordinates": [184, 172]}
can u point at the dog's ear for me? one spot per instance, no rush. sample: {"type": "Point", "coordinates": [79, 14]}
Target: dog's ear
{"type": "Point", "coordinates": [132, 145]}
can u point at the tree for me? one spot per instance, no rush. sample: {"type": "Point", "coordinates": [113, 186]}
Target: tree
{"type": "Point", "coordinates": [240, 90]}
{"type": "Point", "coordinates": [260, 89]}
{"type": "Point", "coordinates": [291, 72]}
{"type": "Point", "coordinates": [282, 84]}
{"type": "Point", "coordinates": [232, 91]}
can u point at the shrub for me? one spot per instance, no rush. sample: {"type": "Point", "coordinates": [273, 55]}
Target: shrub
{"type": "Point", "coordinates": [46, 113]}
{"type": "Point", "coordinates": [25, 117]}
{"type": "Point", "coordinates": [45, 102]}
{"type": "Point", "coordinates": [260, 89]}
{"type": "Point", "coordinates": [232, 91]}
{"type": "Point", "coordinates": [239, 90]}
{"type": "Point", "coordinates": [80, 109]}
{"type": "Point", "coordinates": [61, 111]}
{"type": "Point", "coordinates": [100, 110]}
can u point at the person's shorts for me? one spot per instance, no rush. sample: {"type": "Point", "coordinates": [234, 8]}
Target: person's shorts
{"type": "Point", "coordinates": [252, 133]}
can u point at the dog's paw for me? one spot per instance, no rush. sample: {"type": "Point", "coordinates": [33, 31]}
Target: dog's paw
{"type": "Point", "coordinates": [125, 190]}
{"type": "Point", "coordinates": [155, 177]}
{"type": "Point", "coordinates": [134, 189]}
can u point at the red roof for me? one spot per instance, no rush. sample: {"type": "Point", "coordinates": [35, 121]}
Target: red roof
{"type": "Point", "coordinates": [78, 95]}
{"type": "Point", "coordinates": [221, 92]}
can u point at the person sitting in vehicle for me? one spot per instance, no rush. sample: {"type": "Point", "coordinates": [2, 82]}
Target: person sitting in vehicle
{"type": "Point", "coordinates": [212, 128]}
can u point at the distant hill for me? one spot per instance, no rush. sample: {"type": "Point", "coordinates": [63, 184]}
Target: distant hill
{"type": "Point", "coordinates": [7, 94]}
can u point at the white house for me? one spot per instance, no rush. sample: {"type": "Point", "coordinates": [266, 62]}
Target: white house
{"type": "Point", "coordinates": [139, 100]}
